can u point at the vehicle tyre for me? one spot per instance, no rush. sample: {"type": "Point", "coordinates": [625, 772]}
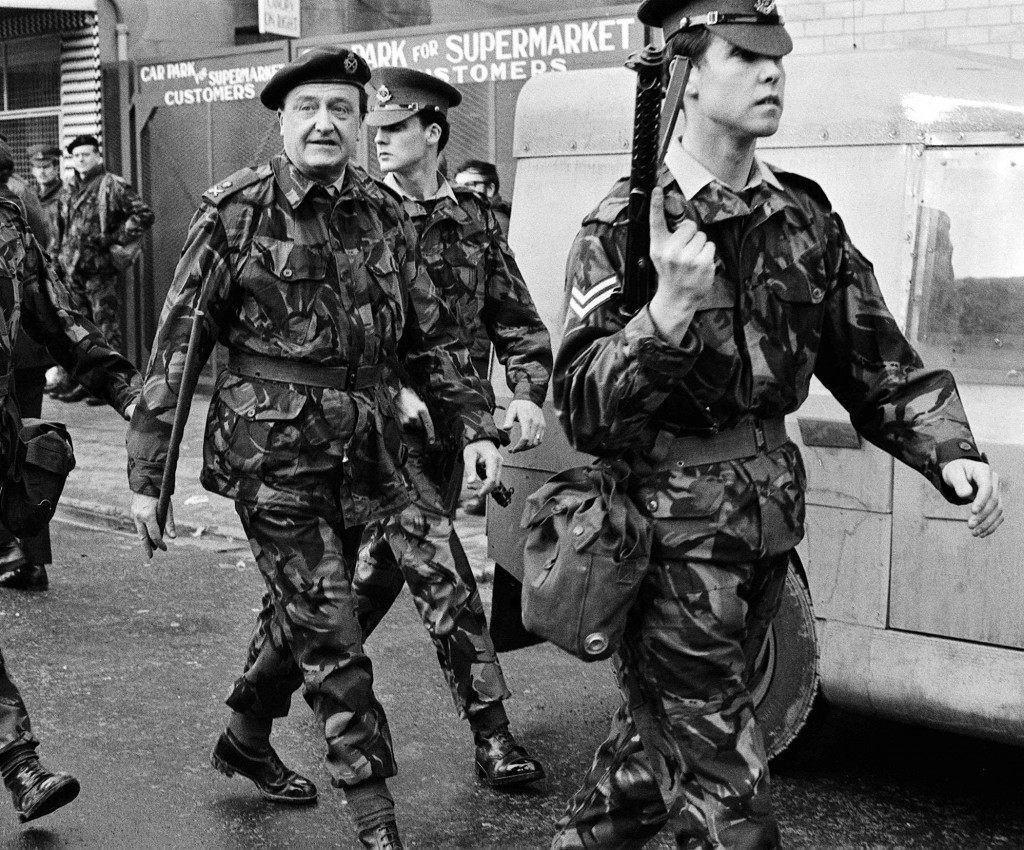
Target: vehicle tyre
{"type": "Point", "coordinates": [784, 683]}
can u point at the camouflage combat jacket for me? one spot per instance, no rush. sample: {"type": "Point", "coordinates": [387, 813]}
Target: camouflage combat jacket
{"type": "Point", "coordinates": [465, 253]}
{"type": "Point", "coordinates": [35, 299]}
{"type": "Point", "coordinates": [292, 273]}
{"type": "Point", "coordinates": [49, 200]}
{"type": "Point", "coordinates": [792, 297]}
{"type": "Point", "coordinates": [83, 248]}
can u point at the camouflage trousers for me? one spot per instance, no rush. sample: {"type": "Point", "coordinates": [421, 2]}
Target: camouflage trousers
{"type": "Point", "coordinates": [684, 745]}
{"type": "Point", "coordinates": [420, 545]}
{"type": "Point", "coordinates": [98, 298]}
{"type": "Point", "coordinates": [307, 634]}
{"type": "Point", "coordinates": [15, 728]}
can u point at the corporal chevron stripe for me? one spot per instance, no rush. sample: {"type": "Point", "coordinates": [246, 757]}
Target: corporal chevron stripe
{"type": "Point", "coordinates": [584, 303]}
{"type": "Point", "coordinates": [80, 88]}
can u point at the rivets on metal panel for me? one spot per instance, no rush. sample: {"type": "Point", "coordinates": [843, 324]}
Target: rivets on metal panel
{"type": "Point", "coordinates": [573, 146]}
{"type": "Point", "coordinates": [824, 135]}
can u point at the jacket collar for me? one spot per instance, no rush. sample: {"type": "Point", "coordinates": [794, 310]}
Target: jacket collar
{"type": "Point", "coordinates": [296, 186]}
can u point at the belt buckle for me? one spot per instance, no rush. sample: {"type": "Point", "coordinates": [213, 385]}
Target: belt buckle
{"type": "Point", "coordinates": [351, 377]}
{"type": "Point", "coordinates": [759, 437]}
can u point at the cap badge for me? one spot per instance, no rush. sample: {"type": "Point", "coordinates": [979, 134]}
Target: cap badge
{"type": "Point", "coordinates": [384, 95]}
{"type": "Point", "coordinates": [351, 64]}
{"type": "Point", "coordinates": [764, 7]}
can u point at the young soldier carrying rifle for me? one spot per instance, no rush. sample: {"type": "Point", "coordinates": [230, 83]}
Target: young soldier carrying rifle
{"type": "Point", "coordinates": [759, 288]}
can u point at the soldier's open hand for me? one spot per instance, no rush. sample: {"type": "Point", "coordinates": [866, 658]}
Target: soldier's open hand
{"type": "Point", "coordinates": [531, 423]}
{"type": "Point", "coordinates": [414, 414]}
{"type": "Point", "coordinates": [967, 476]}
{"type": "Point", "coordinates": [685, 262]}
{"type": "Point", "coordinates": [144, 513]}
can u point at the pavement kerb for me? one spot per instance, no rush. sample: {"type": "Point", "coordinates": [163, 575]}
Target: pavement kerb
{"type": "Point", "coordinates": [108, 516]}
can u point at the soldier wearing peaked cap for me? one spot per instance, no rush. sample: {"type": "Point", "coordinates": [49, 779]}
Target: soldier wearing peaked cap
{"type": "Point", "coordinates": [759, 289]}
{"type": "Point", "coordinates": [463, 249]}
{"type": "Point", "coordinates": [306, 270]}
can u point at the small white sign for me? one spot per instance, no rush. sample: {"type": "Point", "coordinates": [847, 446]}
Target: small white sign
{"type": "Point", "coordinates": [281, 17]}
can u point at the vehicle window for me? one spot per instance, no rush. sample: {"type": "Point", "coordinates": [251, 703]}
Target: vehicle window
{"type": "Point", "coordinates": [967, 308]}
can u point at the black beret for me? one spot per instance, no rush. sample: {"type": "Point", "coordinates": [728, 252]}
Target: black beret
{"type": "Point", "coordinates": [319, 65]}
{"type": "Point", "coordinates": [753, 25]}
{"type": "Point", "coordinates": [43, 153]}
{"type": "Point", "coordinates": [84, 139]}
{"type": "Point", "coordinates": [402, 92]}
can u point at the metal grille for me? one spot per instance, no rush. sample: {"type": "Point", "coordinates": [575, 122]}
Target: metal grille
{"type": "Point", "coordinates": [32, 72]}
{"type": "Point", "coordinates": [15, 25]}
{"type": "Point", "coordinates": [80, 82]}
{"type": "Point", "coordinates": [23, 131]}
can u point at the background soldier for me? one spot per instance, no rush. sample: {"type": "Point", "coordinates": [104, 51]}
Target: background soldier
{"type": "Point", "coordinates": [44, 161]}
{"type": "Point", "coordinates": [23, 563]}
{"type": "Point", "coordinates": [759, 287]}
{"type": "Point", "coordinates": [306, 271]}
{"type": "Point", "coordinates": [97, 209]}
{"type": "Point", "coordinates": [465, 253]}
{"type": "Point", "coordinates": [482, 178]}
{"type": "Point", "coordinates": [34, 294]}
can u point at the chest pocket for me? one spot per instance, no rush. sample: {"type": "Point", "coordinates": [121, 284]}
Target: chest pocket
{"type": "Point", "coordinates": [464, 272]}
{"type": "Point", "coordinates": [281, 281]}
{"type": "Point", "coordinates": [802, 282]}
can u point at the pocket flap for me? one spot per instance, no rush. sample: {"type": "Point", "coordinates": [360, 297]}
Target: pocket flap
{"type": "Point", "coordinates": [289, 261]}
{"type": "Point", "coordinates": [259, 400]}
{"type": "Point", "coordinates": [801, 281]}
{"type": "Point", "coordinates": [670, 498]}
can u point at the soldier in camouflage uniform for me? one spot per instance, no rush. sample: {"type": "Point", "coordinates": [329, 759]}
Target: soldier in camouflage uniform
{"type": "Point", "coordinates": [759, 288]}
{"type": "Point", "coordinates": [467, 258]}
{"type": "Point", "coordinates": [44, 161]}
{"type": "Point", "coordinates": [84, 244]}
{"type": "Point", "coordinates": [305, 270]}
{"type": "Point", "coordinates": [34, 297]}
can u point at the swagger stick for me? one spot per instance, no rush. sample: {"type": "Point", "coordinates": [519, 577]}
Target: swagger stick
{"type": "Point", "coordinates": [186, 389]}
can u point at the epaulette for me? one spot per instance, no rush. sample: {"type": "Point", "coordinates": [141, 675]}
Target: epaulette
{"type": "Point", "coordinates": [803, 185]}
{"type": "Point", "coordinates": [612, 205]}
{"type": "Point", "coordinates": [220, 192]}
{"type": "Point", "coordinates": [380, 184]}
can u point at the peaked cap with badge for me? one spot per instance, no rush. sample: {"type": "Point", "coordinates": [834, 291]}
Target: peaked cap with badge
{"type": "Point", "coordinates": [402, 92]}
{"type": "Point", "coordinates": [753, 25]}
{"type": "Point", "coordinates": [319, 65]}
{"type": "Point", "coordinates": [40, 154]}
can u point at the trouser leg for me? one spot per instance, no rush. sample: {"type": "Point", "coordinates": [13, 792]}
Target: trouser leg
{"type": "Point", "coordinates": [15, 728]}
{"type": "Point", "coordinates": [308, 633]}
{"type": "Point", "coordinates": [104, 295]}
{"type": "Point", "coordinates": [378, 580]}
{"type": "Point", "coordinates": [692, 638]}
{"type": "Point", "coordinates": [449, 604]}
{"type": "Point", "coordinates": [28, 388]}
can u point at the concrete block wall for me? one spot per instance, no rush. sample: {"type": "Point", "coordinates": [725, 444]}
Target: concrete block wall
{"type": "Point", "coordinates": [832, 26]}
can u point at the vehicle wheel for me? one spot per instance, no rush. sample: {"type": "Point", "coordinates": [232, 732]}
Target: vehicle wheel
{"type": "Point", "coordinates": [785, 679]}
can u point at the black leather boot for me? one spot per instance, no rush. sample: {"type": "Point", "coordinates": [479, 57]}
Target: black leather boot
{"type": "Point", "coordinates": [382, 837]}
{"type": "Point", "coordinates": [275, 781]}
{"type": "Point", "coordinates": [37, 792]}
{"type": "Point", "coordinates": [26, 577]}
{"type": "Point", "coordinates": [502, 762]}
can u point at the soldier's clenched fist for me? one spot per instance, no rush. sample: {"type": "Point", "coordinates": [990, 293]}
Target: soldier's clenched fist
{"type": "Point", "coordinates": [685, 262]}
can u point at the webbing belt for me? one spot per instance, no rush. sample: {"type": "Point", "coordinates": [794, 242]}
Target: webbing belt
{"type": "Point", "coordinates": [293, 372]}
{"type": "Point", "coordinates": [745, 440]}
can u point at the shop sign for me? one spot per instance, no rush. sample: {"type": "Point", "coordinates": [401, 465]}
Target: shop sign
{"type": "Point", "coordinates": [281, 17]}
{"type": "Point", "coordinates": [210, 80]}
{"type": "Point", "coordinates": [509, 53]}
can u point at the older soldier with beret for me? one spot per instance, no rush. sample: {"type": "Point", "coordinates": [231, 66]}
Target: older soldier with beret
{"type": "Point", "coordinates": [464, 251]}
{"type": "Point", "coordinates": [305, 269]}
{"type": "Point", "coordinates": [759, 289]}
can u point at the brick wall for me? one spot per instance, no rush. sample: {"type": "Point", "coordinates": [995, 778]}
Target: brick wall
{"type": "Point", "coordinates": [830, 26]}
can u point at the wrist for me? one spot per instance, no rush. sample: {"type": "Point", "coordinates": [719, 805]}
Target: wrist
{"type": "Point", "coordinates": [671, 320]}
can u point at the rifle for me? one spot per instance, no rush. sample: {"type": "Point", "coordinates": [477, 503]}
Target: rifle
{"type": "Point", "coordinates": [186, 389]}
{"type": "Point", "coordinates": [654, 118]}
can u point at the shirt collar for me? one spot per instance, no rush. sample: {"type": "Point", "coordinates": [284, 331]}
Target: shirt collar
{"type": "Point", "coordinates": [444, 188]}
{"type": "Point", "coordinates": [296, 185]}
{"type": "Point", "coordinates": [691, 176]}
